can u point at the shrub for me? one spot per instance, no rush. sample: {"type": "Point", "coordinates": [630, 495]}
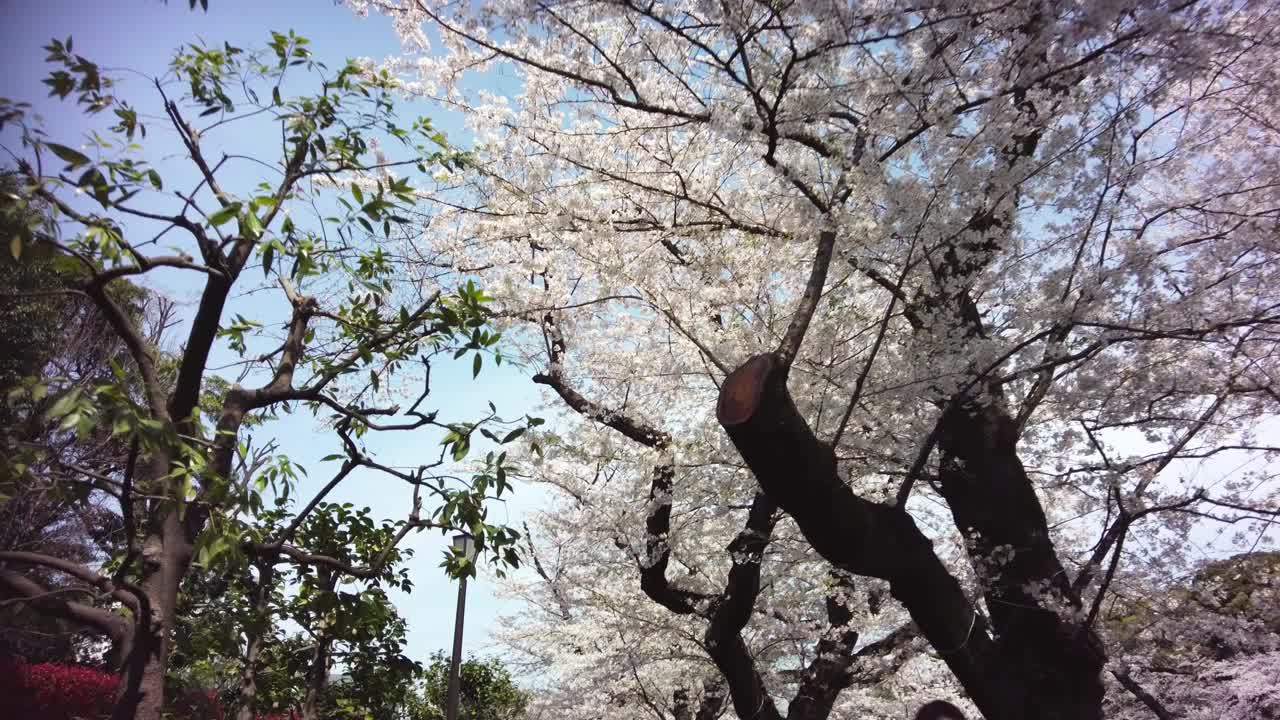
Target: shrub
{"type": "Point", "coordinates": [49, 691]}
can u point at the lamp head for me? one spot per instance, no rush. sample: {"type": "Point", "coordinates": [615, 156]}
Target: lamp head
{"type": "Point", "coordinates": [465, 544]}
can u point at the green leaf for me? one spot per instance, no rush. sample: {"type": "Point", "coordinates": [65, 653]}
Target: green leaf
{"type": "Point", "coordinates": [251, 225]}
{"type": "Point", "coordinates": [475, 366]}
{"type": "Point", "coordinates": [461, 448]}
{"type": "Point", "coordinates": [268, 254]}
{"type": "Point", "coordinates": [64, 404]}
{"type": "Point", "coordinates": [512, 435]}
{"type": "Point", "coordinates": [74, 158]}
{"type": "Point", "coordinates": [225, 214]}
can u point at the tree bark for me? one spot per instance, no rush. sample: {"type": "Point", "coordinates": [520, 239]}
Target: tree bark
{"type": "Point", "coordinates": [256, 639]}
{"type": "Point", "coordinates": [680, 708]}
{"type": "Point", "coordinates": [166, 559]}
{"type": "Point", "coordinates": [713, 693]}
{"type": "Point", "coordinates": [1028, 594]}
{"type": "Point", "coordinates": [105, 622]}
{"type": "Point", "coordinates": [318, 672]}
{"type": "Point", "coordinates": [828, 673]}
{"type": "Point", "coordinates": [317, 677]}
{"type": "Point", "coordinates": [1013, 679]}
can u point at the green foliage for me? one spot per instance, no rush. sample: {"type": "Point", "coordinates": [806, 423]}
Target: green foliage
{"type": "Point", "coordinates": [354, 619]}
{"type": "Point", "coordinates": [56, 351]}
{"type": "Point", "coordinates": [486, 691]}
{"type": "Point", "coordinates": [358, 330]}
{"type": "Point", "coordinates": [30, 323]}
{"type": "Point", "coordinates": [373, 323]}
{"type": "Point", "coordinates": [54, 347]}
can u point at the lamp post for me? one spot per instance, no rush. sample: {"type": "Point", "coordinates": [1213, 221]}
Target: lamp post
{"type": "Point", "coordinates": [466, 545]}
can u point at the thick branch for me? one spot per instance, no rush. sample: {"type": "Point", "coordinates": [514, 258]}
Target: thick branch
{"type": "Point", "coordinates": [799, 472]}
{"type": "Point", "coordinates": [828, 673]}
{"type": "Point", "coordinates": [304, 307]}
{"type": "Point", "coordinates": [723, 638]}
{"type": "Point", "coordinates": [727, 613]}
{"type": "Point", "coordinates": [636, 430]}
{"type": "Point", "coordinates": [75, 570]}
{"type": "Point", "coordinates": [653, 568]}
{"type": "Point", "coordinates": [713, 696]}
{"type": "Point", "coordinates": [1153, 704]}
{"type": "Point", "coordinates": [38, 598]}
{"type": "Point", "coordinates": [195, 356]}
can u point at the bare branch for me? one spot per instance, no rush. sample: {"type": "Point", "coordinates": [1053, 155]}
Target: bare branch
{"type": "Point", "coordinates": [111, 624]}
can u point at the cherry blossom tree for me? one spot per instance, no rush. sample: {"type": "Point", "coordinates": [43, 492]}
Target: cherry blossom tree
{"type": "Point", "coordinates": [1208, 648]}
{"type": "Point", "coordinates": [876, 324]}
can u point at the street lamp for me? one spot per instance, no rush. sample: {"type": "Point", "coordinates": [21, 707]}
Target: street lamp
{"type": "Point", "coordinates": [465, 545]}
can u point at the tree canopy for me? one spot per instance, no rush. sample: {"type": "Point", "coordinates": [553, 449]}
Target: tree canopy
{"type": "Point", "coordinates": [486, 691]}
{"type": "Point", "coordinates": [895, 341]}
{"type": "Point", "coordinates": [901, 353]}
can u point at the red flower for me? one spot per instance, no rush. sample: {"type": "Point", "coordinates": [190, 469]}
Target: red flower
{"type": "Point", "coordinates": [48, 691]}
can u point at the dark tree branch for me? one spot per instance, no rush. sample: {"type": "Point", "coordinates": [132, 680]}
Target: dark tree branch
{"type": "Point", "coordinates": [822, 680]}
{"type": "Point", "coordinates": [854, 534]}
{"type": "Point", "coordinates": [111, 624]}
{"type": "Point", "coordinates": [730, 613]}
{"type": "Point", "coordinates": [1152, 703]}
{"type": "Point", "coordinates": [77, 571]}
{"type": "Point", "coordinates": [636, 430]}
{"type": "Point", "coordinates": [713, 697]}
{"type": "Point", "coordinates": [653, 567]}
{"type": "Point", "coordinates": [270, 551]}
{"type": "Point", "coordinates": [809, 299]}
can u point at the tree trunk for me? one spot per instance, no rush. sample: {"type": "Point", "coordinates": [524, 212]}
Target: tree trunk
{"type": "Point", "coordinates": [139, 695]}
{"type": "Point", "coordinates": [1040, 668]}
{"type": "Point", "coordinates": [317, 677]}
{"type": "Point", "coordinates": [166, 556]}
{"type": "Point", "coordinates": [257, 637]}
{"type": "Point", "coordinates": [1028, 595]}
{"type": "Point", "coordinates": [318, 673]}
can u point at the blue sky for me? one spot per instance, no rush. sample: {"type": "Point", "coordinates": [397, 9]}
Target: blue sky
{"type": "Point", "coordinates": [141, 35]}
